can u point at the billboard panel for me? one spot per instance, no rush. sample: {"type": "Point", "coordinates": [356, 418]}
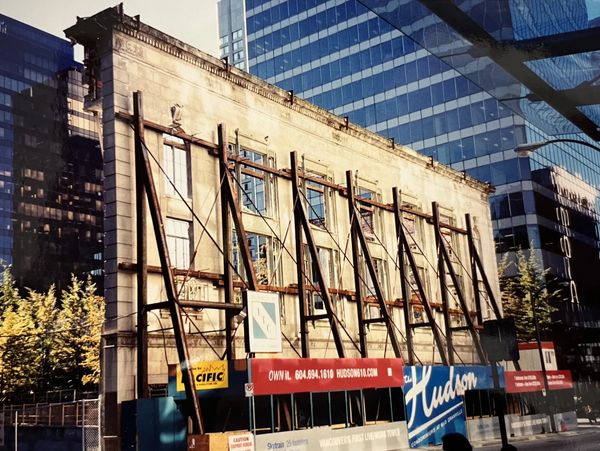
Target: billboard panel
{"type": "Point", "coordinates": [434, 402]}
{"type": "Point", "coordinates": [281, 376]}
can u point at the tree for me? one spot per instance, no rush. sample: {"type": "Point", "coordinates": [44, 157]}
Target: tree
{"type": "Point", "coordinates": [44, 315]}
{"type": "Point", "coordinates": [531, 282]}
{"type": "Point", "coordinates": [16, 348]}
{"type": "Point", "coordinates": [26, 342]}
{"type": "Point", "coordinates": [9, 294]}
{"type": "Point", "coordinates": [77, 351]}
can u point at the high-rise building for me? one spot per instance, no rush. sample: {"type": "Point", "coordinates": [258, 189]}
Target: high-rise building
{"type": "Point", "coordinates": [345, 58]}
{"type": "Point", "coordinates": [50, 162]}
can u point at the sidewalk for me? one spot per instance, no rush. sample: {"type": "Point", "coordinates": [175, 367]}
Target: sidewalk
{"type": "Point", "coordinates": [583, 424]}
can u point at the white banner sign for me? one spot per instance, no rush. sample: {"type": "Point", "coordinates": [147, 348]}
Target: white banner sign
{"type": "Point", "coordinates": [264, 321]}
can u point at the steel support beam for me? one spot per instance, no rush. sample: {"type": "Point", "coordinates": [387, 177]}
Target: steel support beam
{"type": "Point", "coordinates": [441, 269]}
{"type": "Point", "coordinates": [473, 265]}
{"type": "Point", "coordinates": [312, 248]}
{"type": "Point", "coordinates": [227, 241]}
{"type": "Point", "coordinates": [420, 288]}
{"type": "Point", "coordinates": [461, 299]}
{"type": "Point", "coordinates": [406, 292]}
{"type": "Point", "coordinates": [169, 282]}
{"type": "Point", "coordinates": [360, 308]}
{"type": "Point", "coordinates": [230, 206]}
{"type": "Point", "coordinates": [357, 234]}
{"type": "Point", "coordinates": [300, 258]}
{"type": "Point", "coordinates": [141, 252]}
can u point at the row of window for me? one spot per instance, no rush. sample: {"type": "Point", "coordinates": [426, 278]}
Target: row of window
{"type": "Point", "coordinates": [254, 188]}
{"type": "Point", "coordinates": [354, 63]}
{"type": "Point", "coordinates": [469, 147]}
{"type": "Point", "coordinates": [310, 25]}
{"type": "Point", "coordinates": [344, 37]}
{"type": "Point", "coordinates": [500, 173]}
{"type": "Point", "coordinates": [264, 251]}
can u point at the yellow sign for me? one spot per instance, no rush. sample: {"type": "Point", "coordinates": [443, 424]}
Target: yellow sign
{"type": "Point", "coordinates": [207, 375]}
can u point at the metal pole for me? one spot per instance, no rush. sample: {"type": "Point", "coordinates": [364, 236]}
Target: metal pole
{"type": "Point", "coordinates": [406, 294]}
{"type": "Point", "coordinates": [302, 298]}
{"type": "Point", "coordinates": [362, 333]}
{"type": "Point", "coordinates": [16, 430]}
{"type": "Point", "coordinates": [542, 362]}
{"type": "Point", "coordinates": [499, 402]}
{"type": "Point", "coordinates": [358, 232]}
{"type": "Point", "coordinates": [442, 276]}
{"type": "Point", "coordinates": [474, 277]}
{"type": "Point", "coordinates": [227, 237]}
{"type": "Point", "coordinates": [82, 425]}
{"type": "Point", "coordinates": [321, 279]}
{"type": "Point", "coordinates": [169, 283]}
{"type": "Point", "coordinates": [141, 252]}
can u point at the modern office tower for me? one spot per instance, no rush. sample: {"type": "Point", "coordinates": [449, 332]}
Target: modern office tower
{"type": "Point", "coordinates": [347, 59]}
{"type": "Point", "coordinates": [50, 163]}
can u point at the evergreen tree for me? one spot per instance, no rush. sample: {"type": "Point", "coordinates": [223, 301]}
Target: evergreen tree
{"type": "Point", "coordinates": [518, 291]}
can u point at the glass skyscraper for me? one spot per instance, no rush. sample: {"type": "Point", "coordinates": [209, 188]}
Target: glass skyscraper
{"type": "Point", "coordinates": [50, 162]}
{"type": "Point", "coordinates": [345, 58]}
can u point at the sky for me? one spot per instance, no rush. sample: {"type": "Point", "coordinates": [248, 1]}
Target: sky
{"type": "Point", "coordinates": [191, 21]}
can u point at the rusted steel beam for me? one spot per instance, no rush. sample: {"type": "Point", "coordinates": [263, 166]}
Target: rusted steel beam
{"type": "Point", "coordinates": [312, 248]}
{"type": "Point", "coordinates": [358, 232]}
{"type": "Point", "coordinates": [406, 294]}
{"type": "Point", "coordinates": [463, 303]}
{"type": "Point", "coordinates": [441, 270]}
{"type": "Point", "coordinates": [360, 312]}
{"type": "Point", "coordinates": [188, 303]}
{"type": "Point", "coordinates": [300, 257]}
{"type": "Point", "coordinates": [473, 265]}
{"type": "Point", "coordinates": [169, 282]}
{"type": "Point", "coordinates": [141, 253]}
{"type": "Point", "coordinates": [226, 235]}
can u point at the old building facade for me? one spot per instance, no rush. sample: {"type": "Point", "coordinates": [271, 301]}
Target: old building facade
{"type": "Point", "coordinates": [187, 95]}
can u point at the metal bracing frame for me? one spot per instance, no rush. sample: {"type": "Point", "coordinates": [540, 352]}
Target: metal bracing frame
{"type": "Point", "coordinates": [477, 265]}
{"type": "Point", "coordinates": [230, 209]}
{"type": "Point", "coordinates": [147, 182]}
{"type": "Point", "coordinates": [358, 237]}
{"type": "Point", "coordinates": [445, 264]}
{"type": "Point", "coordinates": [302, 227]}
{"type": "Point", "coordinates": [360, 312]}
{"type": "Point", "coordinates": [405, 250]}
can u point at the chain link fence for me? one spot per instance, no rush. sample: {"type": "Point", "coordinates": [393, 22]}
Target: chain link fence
{"type": "Point", "coordinates": [22, 421]}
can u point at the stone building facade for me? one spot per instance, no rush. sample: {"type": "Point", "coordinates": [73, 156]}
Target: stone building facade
{"type": "Point", "coordinates": [186, 95]}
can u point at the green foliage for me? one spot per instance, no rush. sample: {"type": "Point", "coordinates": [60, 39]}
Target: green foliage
{"type": "Point", "coordinates": [518, 291]}
{"type": "Point", "coordinates": [9, 294]}
{"type": "Point", "coordinates": [46, 344]}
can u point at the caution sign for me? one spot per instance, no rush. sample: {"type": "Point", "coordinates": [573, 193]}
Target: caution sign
{"type": "Point", "coordinates": [241, 442]}
{"type": "Point", "coordinates": [207, 375]}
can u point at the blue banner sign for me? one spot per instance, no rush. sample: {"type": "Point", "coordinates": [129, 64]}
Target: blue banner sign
{"type": "Point", "coordinates": [433, 396]}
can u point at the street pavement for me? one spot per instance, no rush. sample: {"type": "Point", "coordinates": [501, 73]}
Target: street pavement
{"type": "Point", "coordinates": [585, 438]}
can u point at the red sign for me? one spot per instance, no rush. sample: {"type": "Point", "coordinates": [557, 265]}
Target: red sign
{"type": "Point", "coordinates": [559, 380]}
{"type": "Point", "coordinates": [530, 381]}
{"type": "Point", "coordinates": [281, 376]}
